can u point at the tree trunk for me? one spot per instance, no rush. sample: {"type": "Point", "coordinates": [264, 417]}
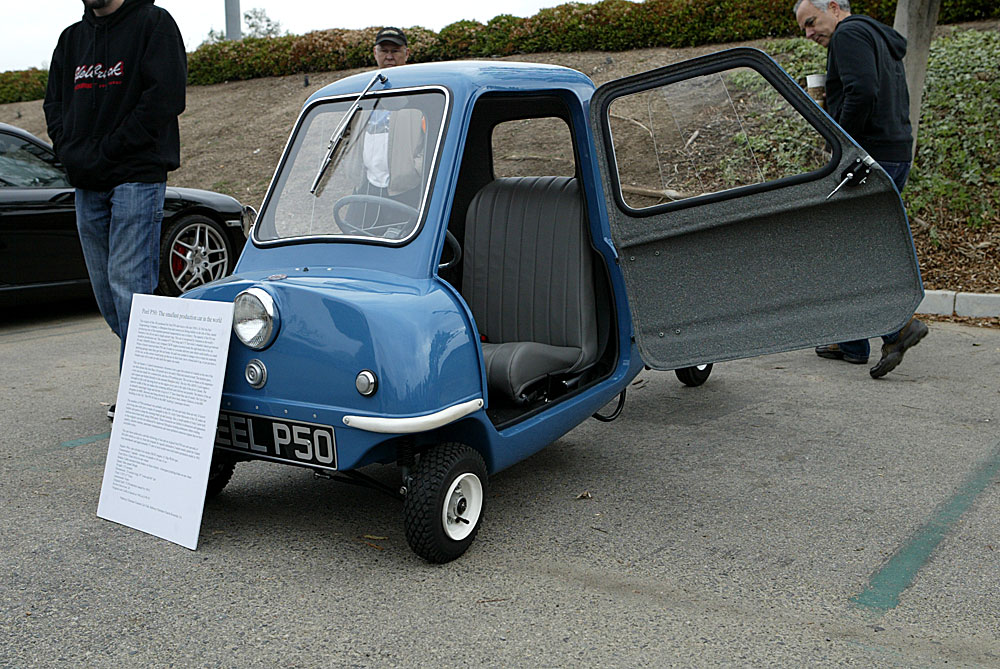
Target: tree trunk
{"type": "Point", "coordinates": [915, 20]}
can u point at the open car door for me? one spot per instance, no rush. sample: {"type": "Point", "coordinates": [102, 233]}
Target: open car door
{"type": "Point", "coordinates": [746, 220]}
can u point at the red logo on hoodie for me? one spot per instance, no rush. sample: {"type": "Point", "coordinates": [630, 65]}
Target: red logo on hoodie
{"type": "Point", "coordinates": [98, 73]}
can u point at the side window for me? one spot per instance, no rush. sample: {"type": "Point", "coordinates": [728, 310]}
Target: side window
{"type": "Point", "coordinates": [533, 147]}
{"type": "Point", "coordinates": [708, 134]}
{"type": "Point", "coordinates": [27, 165]}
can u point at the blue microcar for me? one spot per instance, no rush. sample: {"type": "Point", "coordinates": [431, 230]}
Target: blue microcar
{"type": "Point", "coordinates": [457, 263]}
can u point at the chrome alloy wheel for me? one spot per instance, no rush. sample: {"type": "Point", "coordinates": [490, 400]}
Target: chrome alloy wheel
{"type": "Point", "coordinates": [198, 254]}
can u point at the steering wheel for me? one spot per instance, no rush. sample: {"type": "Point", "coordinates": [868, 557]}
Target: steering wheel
{"type": "Point", "coordinates": [392, 205]}
{"type": "Point", "coordinates": [456, 251]}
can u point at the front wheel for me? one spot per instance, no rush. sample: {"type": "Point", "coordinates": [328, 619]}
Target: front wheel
{"type": "Point", "coordinates": [694, 376]}
{"type": "Point", "coordinates": [219, 473]}
{"type": "Point", "coordinates": [443, 508]}
{"type": "Point", "coordinates": [193, 251]}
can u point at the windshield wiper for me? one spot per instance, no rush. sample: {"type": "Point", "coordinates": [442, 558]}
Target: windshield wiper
{"type": "Point", "coordinates": [338, 135]}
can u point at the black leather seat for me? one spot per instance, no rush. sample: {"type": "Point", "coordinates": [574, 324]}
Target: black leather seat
{"type": "Point", "coordinates": [528, 278]}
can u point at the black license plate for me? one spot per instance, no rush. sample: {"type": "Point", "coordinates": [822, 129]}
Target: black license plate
{"type": "Point", "coordinates": [277, 439]}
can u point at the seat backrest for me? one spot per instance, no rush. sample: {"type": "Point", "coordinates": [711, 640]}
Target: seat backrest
{"type": "Point", "coordinates": [528, 267]}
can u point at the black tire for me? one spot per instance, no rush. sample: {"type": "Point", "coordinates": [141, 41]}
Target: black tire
{"type": "Point", "coordinates": [430, 492]}
{"type": "Point", "coordinates": [219, 473]}
{"type": "Point", "coordinates": [193, 251]}
{"type": "Point", "coordinates": [694, 376]}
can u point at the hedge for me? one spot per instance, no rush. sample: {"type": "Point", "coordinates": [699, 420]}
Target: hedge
{"type": "Point", "coordinates": [608, 25]}
{"type": "Point", "coordinates": [21, 85]}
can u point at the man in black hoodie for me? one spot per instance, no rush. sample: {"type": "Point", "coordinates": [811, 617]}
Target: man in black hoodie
{"type": "Point", "coordinates": [116, 87]}
{"type": "Point", "coordinates": [866, 94]}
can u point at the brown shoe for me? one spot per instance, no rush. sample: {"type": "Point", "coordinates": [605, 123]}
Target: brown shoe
{"type": "Point", "coordinates": [833, 352]}
{"type": "Point", "coordinates": [892, 354]}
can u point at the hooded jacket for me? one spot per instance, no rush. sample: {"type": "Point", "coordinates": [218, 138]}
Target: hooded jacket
{"type": "Point", "coordinates": [116, 86]}
{"type": "Point", "coordinates": [866, 87]}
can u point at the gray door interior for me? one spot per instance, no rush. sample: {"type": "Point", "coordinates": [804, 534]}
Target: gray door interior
{"type": "Point", "coordinates": [717, 175]}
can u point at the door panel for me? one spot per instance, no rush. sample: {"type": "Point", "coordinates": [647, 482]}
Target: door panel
{"type": "Point", "coordinates": [716, 174]}
{"type": "Point", "coordinates": [38, 238]}
{"type": "Point", "coordinates": [39, 242]}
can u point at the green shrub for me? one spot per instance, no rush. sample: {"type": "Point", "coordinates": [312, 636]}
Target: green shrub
{"type": "Point", "coordinates": [420, 41]}
{"type": "Point", "coordinates": [22, 85]}
{"type": "Point", "coordinates": [955, 11]}
{"type": "Point", "coordinates": [952, 11]}
{"type": "Point", "coordinates": [246, 59]}
{"type": "Point", "coordinates": [608, 25]}
{"type": "Point", "coordinates": [462, 39]}
{"type": "Point", "coordinates": [619, 25]}
{"type": "Point", "coordinates": [732, 21]}
{"type": "Point", "coordinates": [957, 169]}
{"type": "Point", "coordinates": [324, 50]}
{"type": "Point", "coordinates": [560, 28]}
{"type": "Point", "coordinates": [330, 50]}
{"type": "Point", "coordinates": [502, 33]}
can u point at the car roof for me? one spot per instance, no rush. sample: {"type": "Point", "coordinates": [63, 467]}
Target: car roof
{"type": "Point", "coordinates": [20, 132]}
{"type": "Point", "coordinates": [464, 78]}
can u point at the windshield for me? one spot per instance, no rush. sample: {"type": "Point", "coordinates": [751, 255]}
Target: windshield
{"type": "Point", "coordinates": [372, 186]}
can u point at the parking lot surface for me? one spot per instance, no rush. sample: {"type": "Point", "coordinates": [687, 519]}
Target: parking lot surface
{"type": "Point", "coordinates": [790, 512]}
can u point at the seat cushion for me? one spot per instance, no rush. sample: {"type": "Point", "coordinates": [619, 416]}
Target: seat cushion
{"type": "Point", "coordinates": [528, 279]}
{"type": "Point", "coordinates": [512, 368]}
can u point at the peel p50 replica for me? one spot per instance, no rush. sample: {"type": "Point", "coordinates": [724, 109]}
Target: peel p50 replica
{"type": "Point", "coordinates": [457, 263]}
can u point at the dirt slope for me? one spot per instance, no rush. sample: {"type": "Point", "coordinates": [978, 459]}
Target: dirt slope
{"type": "Point", "coordinates": [232, 136]}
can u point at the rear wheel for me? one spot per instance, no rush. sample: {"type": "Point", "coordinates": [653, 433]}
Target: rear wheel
{"type": "Point", "coordinates": [443, 507]}
{"type": "Point", "coordinates": [694, 376]}
{"type": "Point", "coordinates": [193, 251]}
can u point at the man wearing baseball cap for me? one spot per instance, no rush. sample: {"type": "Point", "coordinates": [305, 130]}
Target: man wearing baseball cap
{"type": "Point", "coordinates": [390, 152]}
{"type": "Point", "coordinates": [390, 48]}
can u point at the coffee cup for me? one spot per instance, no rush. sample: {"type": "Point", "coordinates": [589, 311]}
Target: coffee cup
{"type": "Point", "coordinates": [816, 88]}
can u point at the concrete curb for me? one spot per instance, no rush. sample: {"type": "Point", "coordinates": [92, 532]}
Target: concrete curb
{"type": "Point", "coordinates": [953, 303]}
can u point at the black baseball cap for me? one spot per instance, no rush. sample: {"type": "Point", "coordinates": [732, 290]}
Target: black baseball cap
{"type": "Point", "coordinates": [389, 34]}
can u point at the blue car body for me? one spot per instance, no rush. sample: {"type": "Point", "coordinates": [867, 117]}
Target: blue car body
{"type": "Point", "coordinates": [343, 311]}
{"type": "Point", "coordinates": [348, 305]}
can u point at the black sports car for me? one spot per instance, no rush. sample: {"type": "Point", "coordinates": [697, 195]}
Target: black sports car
{"type": "Point", "coordinates": [40, 255]}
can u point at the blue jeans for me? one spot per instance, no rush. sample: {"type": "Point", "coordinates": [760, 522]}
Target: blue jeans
{"type": "Point", "coordinates": [898, 172]}
{"type": "Point", "coordinates": [120, 235]}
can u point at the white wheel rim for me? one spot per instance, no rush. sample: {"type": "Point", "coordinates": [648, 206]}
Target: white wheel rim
{"type": "Point", "coordinates": [463, 505]}
{"type": "Point", "coordinates": [701, 368]}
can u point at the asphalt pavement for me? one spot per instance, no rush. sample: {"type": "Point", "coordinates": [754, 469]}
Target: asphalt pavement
{"type": "Point", "coordinates": [790, 512]}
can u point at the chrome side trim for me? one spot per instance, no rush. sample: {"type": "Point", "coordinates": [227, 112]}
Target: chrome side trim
{"type": "Point", "coordinates": [415, 424]}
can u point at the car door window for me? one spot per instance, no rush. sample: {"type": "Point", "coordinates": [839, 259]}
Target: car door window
{"type": "Point", "coordinates": [707, 134]}
{"type": "Point", "coordinates": [24, 164]}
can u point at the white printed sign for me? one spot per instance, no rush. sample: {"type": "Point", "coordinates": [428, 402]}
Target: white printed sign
{"type": "Point", "coordinates": [165, 419]}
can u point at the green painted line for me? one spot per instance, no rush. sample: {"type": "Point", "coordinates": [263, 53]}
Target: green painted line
{"type": "Point", "coordinates": [888, 583]}
{"type": "Point", "coordinates": [83, 441]}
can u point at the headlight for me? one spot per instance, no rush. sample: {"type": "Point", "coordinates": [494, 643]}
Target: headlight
{"type": "Point", "coordinates": [255, 318]}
